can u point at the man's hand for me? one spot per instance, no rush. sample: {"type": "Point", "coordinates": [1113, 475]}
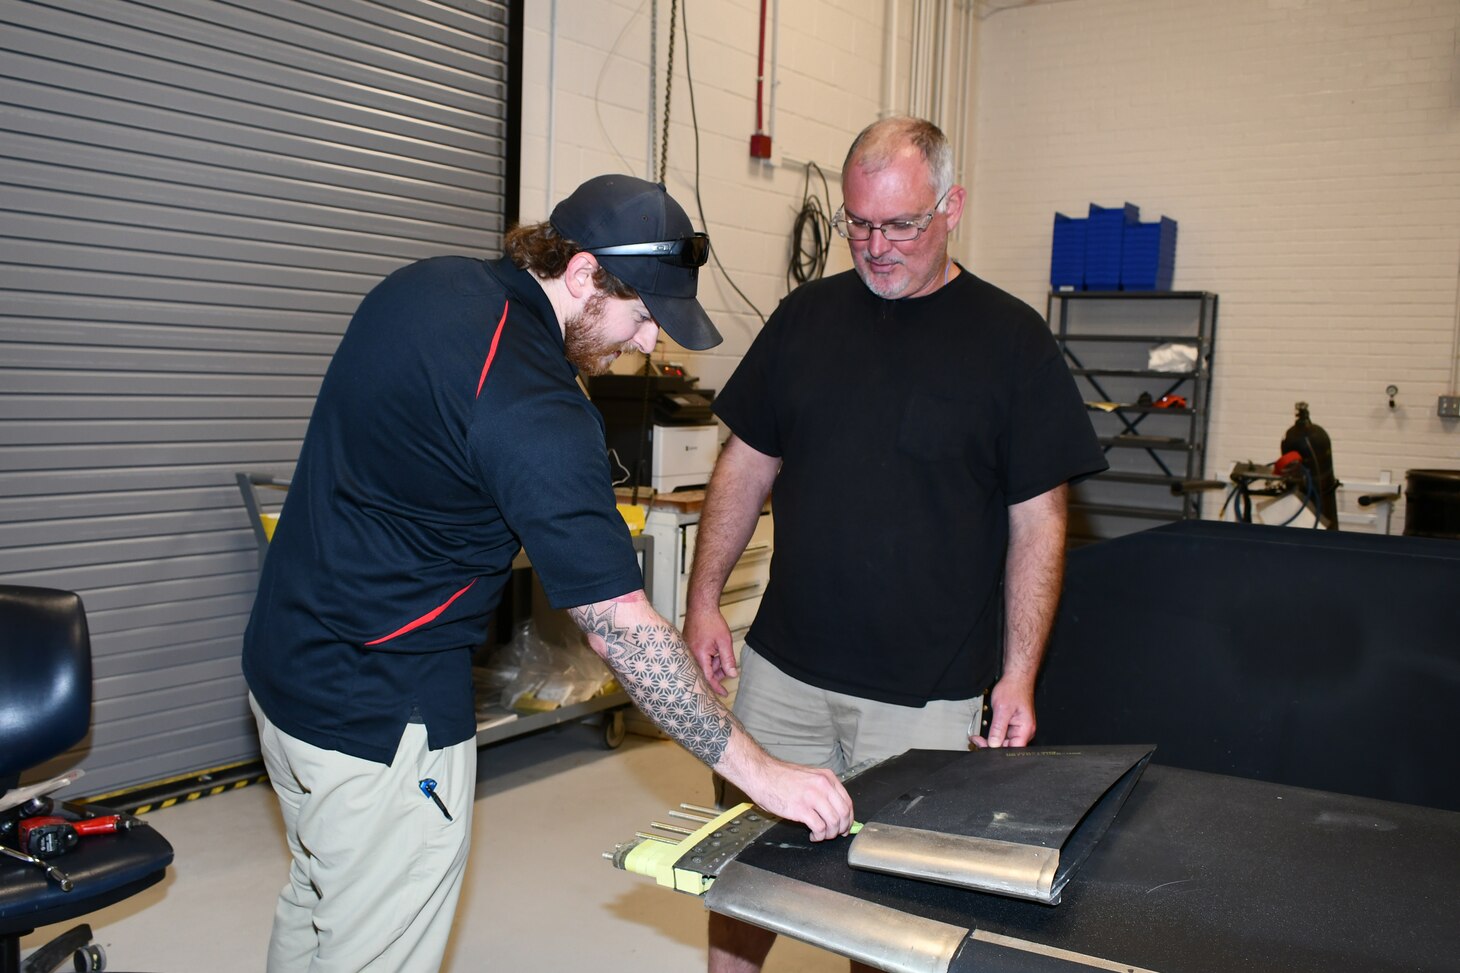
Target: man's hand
{"type": "Point", "coordinates": [708, 637]}
{"type": "Point", "coordinates": [738, 487]}
{"type": "Point", "coordinates": [652, 664]}
{"type": "Point", "coordinates": [1033, 569]}
{"type": "Point", "coordinates": [810, 795]}
{"type": "Point", "coordinates": [1012, 723]}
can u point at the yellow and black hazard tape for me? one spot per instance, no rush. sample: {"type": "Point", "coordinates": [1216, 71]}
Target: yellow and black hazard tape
{"type": "Point", "coordinates": [194, 795]}
{"type": "Point", "coordinates": [172, 791]}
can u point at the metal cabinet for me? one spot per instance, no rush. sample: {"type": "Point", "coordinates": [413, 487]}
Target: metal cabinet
{"type": "Point", "coordinates": [1152, 421]}
{"type": "Point", "coordinates": [674, 533]}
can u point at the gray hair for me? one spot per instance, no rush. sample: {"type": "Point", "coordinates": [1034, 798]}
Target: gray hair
{"type": "Point", "coordinates": [874, 149]}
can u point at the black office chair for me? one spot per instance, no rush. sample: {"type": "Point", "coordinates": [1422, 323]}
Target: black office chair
{"type": "Point", "coordinates": [45, 707]}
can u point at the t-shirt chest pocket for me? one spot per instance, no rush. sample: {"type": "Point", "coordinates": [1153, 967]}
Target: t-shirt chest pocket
{"type": "Point", "coordinates": [940, 428]}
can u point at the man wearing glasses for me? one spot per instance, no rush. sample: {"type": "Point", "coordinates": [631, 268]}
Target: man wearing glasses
{"type": "Point", "coordinates": [448, 432]}
{"type": "Point", "coordinates": [919, 427]}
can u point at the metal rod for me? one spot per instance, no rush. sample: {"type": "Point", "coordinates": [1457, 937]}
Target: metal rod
{"type": "Point", "coordinates": [889, 59]}
{"type": "Point", "coordinates": [654, 837]}
{"type": "Point", "coordinates": [672, 829]}
{"type": "Point", "coordinates": [770, 122]}
{"type": "Point", "coordinates": [702, 810]}
{"type": "Point", "coordinates": [685, 816]}
{"type": "Point", "coordinates": [552, 104]}
{"type": "Point", "coordinates": [52, 872]}
{"type": "Point", "coordinates": [19, 856]}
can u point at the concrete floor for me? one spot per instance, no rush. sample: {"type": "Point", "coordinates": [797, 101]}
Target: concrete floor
{"type": "Point", "coordinates": [538, 894]}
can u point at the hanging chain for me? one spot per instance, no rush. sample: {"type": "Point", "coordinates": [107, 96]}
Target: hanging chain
{"type": "Point", "coordinates": [668, 89]}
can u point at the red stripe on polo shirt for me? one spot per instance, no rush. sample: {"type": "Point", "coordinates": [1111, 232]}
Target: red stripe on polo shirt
{"type": "Point", "coordinates": [430, 616]}
{"type": "Point", "coordinates": [493, 352]}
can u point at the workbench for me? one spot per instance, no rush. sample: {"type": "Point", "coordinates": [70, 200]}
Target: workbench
{"type": "Point", "coordinates": [1199, 873]}
{"type": "Point", "coordinates": [1298, 685]}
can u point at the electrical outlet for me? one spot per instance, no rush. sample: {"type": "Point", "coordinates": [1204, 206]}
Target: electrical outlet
{"type": "Point", "coordinates": [1449, 407]}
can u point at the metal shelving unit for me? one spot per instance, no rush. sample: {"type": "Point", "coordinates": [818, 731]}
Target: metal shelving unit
{"type": "Point", "coordinates": [614, 704]}
{"type": "Point", "coordinates": [1106, 338]}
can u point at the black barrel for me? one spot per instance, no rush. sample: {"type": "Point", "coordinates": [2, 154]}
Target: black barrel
{"type": "Point", "coordinates": [1432, 503]}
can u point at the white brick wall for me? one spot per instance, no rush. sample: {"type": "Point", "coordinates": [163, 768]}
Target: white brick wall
{"type": "Point", "coordinates": [1310, 150]}
{"type": "Point", "coordinates": [830, 83]}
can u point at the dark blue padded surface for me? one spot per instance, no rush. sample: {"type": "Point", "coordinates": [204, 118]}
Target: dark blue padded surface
{"type": "Point", "coordinates": [104, 868]}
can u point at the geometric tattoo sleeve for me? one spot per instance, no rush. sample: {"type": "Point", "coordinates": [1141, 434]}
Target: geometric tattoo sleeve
{"type": "Point", "coordinates": [658, 672]}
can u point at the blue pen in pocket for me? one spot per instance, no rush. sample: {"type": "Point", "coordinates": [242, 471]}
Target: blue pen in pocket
{"type": "Point", "coordinates": [428, 787]}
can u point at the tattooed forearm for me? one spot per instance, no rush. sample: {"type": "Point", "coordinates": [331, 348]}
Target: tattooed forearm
{"type": "Point", "coordinates": [652, 663]}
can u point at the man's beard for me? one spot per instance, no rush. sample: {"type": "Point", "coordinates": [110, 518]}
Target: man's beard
{"type": "Point", "coordinates": [583, 340]}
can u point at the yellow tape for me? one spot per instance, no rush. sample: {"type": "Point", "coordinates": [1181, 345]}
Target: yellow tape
{"type": "Point", "coordinates": [656, 858]}
{"type": "Point", "coordinates": [633, 515]}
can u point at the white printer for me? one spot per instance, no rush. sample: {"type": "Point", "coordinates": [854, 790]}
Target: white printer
{"type": "Point", "coordinates": [681, 457]}
{"type": "Point", "coordinates": [658, 426]}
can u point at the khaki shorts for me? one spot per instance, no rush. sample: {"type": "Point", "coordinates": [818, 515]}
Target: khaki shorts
{"type": "Point", "coordinates": [802, 724]}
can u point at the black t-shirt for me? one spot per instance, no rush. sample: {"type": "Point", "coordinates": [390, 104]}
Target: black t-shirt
{"type": "Point", "coordinates": [905, 429]}
{"type": "Point", "coordinates": [449, 431]}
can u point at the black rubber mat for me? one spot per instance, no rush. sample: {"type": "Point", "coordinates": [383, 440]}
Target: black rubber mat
{"type": "Point", "coordinates": [1199, 873]}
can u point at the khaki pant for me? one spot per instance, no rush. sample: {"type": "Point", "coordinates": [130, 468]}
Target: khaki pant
{"type": "Point", "coordinates": [377, 867]}
{"type": "Point", "coordinates": [806, 725]}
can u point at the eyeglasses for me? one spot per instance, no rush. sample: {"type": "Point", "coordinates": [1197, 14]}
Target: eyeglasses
{"type": "Point", "coordinates": [690, 251]}
{"type": "Point", "coordinates": [893, 231]}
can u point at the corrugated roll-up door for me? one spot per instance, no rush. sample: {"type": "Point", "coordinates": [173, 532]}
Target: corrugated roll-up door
{"type": "Point", "coordinates": [194, 196]}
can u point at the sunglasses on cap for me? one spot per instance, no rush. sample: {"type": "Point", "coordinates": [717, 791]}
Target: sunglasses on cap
{"type": "Point", "coordinates": [690, 251]}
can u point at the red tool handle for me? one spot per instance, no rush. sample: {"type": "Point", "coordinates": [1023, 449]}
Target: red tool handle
{"type": "Point", "coordinates": [107, 824]}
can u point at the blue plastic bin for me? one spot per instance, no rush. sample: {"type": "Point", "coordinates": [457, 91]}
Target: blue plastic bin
{"type": "Point", "coordinates": [1148, 256]}
{"type": "Point", "coordinates": [1104, 241]}
{"type": "Point", "coordinates": [1067, 253]}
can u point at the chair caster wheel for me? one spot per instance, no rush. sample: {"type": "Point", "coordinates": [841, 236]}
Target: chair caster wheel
{"type": "Point", "coordinates": [89, 959]}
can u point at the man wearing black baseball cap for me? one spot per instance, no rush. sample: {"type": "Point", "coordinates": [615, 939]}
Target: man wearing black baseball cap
{"type": "Point", "coordinates": [450, 430]}
{"type": "Point", "coordinates": [620, 220]}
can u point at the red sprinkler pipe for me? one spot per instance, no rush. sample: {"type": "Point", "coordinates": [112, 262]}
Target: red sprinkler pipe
{"type": "Point", "coordinates": [760, 143]}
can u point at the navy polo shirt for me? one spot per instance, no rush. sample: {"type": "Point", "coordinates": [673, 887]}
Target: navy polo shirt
{"type": "Point", "coordinates": [449, 431]}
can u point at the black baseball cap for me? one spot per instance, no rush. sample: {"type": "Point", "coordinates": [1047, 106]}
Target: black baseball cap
{"type": "Point", "coordinates": [610, 213]}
